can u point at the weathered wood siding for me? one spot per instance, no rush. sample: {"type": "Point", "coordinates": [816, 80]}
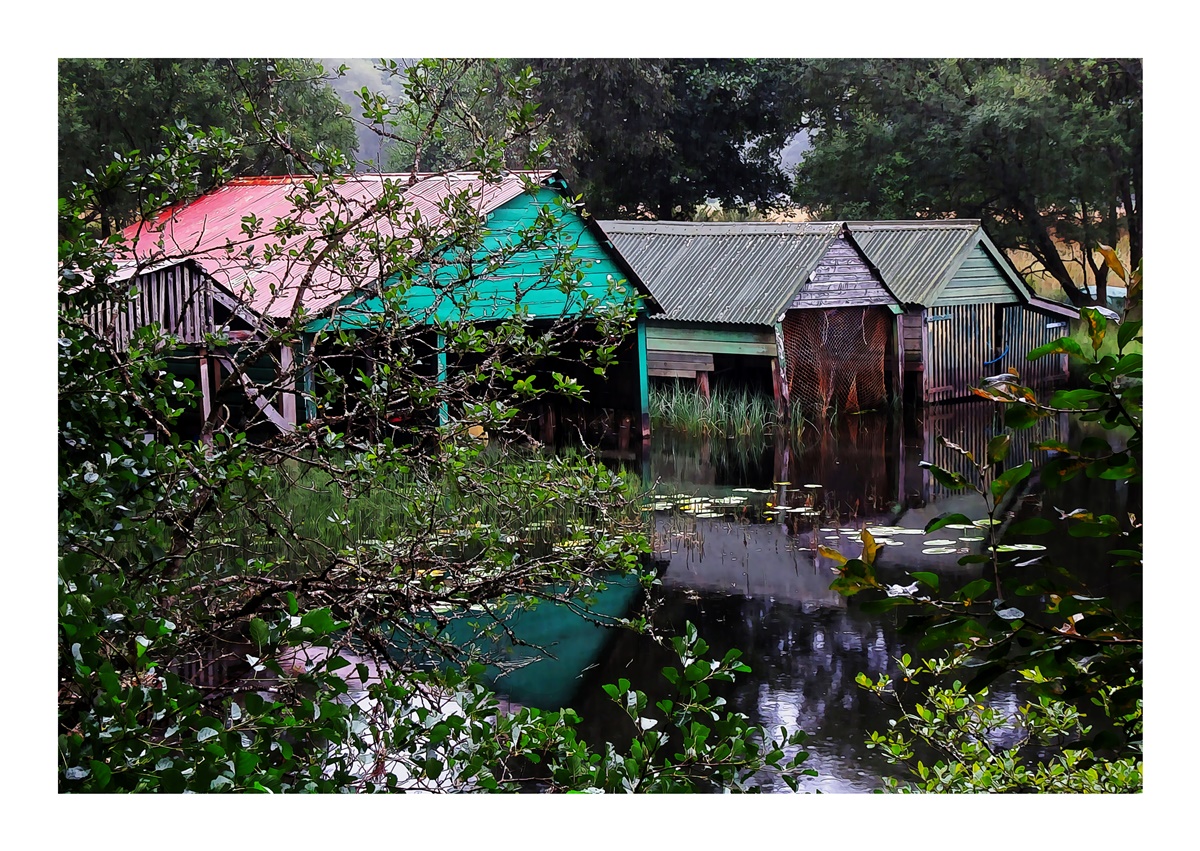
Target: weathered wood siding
{"type": "Point", "coordinates": [178, 299]}
{"type": "Point", "coordinates": [911, 325]}
{"type": "Point", "coordinates": [842, 279]}
{"type": "Point", "coordinates": [978, 280]}
{"type": "Point", "coordinates": [958, 341]}
{"type": "Point", "coordinates": [1023, 330]}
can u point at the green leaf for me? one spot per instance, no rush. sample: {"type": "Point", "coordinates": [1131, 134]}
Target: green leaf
{"type": "Point", "coordinates": [1061, 346]}
{"type": "Point", "coordinates": [260, 633]}
{"type": "Point", "coordinates": [930, 579]}
{"type": "Point", "coordinates": [1006, 480]}
{"type": "Point", "coordinates": [1032, 526]}
{"type": "Point", "coordinates": [954, 481]}
{"type": "Point", "coordinates": [945, 520]}
{"type": "Point", "coordinates": [1127, 333]}
{"type": "Point", "coordinates": [972, 590]}
{"type": "Point", "coordinates": [997, 448]}
{"type": "Point", "coordinates": [1022, 416]}
{"type": "Point", "coordinates": [206, 733]}
{"type": "Point", "coordinates": [1097, 325]}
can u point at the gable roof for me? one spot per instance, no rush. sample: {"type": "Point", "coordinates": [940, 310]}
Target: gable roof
{"type": "Point", "coordinates": [210, 232]}
{"type": "Point", "coordinates": [918, 258]}
{"type": "Point", "coordinates": [739, 273]}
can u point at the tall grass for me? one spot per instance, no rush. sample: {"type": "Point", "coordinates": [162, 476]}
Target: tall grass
{"type": "Point", "coordinates": [728, 412]}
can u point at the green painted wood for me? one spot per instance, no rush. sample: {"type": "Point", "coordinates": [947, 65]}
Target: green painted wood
{"type": "Point", "coordinates": [726, 347]}
{"type": "Point", "coordinates": [643, 376]}
{"type": "Point", "coordinates": [443, 408]}
{"type": "Point", "coordinates": [978, 280]}
{"type": "Point", "coordinates": [522, 283]}
{"type": "Point", "coordinates": [660, 331]}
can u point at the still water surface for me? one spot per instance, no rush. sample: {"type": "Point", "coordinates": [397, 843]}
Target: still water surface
{"type": "Point", "coordinates": [754, 580]}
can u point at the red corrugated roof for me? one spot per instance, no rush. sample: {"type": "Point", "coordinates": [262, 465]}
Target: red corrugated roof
{"type": "Point", "coordinates": [210, 231]}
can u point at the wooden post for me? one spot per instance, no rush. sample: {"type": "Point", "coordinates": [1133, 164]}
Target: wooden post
{"type": "Point", "coordinates": [643, 376]}
{"type": "Point", "coordinates": [702, 384]}
{"type": "Point", "coordinates": [444, 407]}
{"type": "Point", "coordinates": [287, 379]}
{"type": "Point", "coordinates": [777, 388]}
{"type": "Point", "coordinates": [206, 399]}
{"type": "Point", "coordinates": [779, 373]}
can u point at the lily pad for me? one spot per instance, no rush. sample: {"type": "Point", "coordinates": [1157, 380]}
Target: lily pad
{"type": "Point", "coordinates": [987, 522]}
{"type": "Point", "coordinates": [973, 538]}
{"type": "Point", "coordinates": [938, 551]}
{"type": "Point", "coordinates": [940, 542]}
{"type": "Point", "coordinates": [814, 486]}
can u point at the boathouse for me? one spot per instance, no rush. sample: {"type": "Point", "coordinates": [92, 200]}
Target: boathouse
{"type": "Point", "coordinates": [967, 313]}
{"type": "Point", "coordinates": [203, 274]}
{"type": "Point", "coordinates": [797, 301]}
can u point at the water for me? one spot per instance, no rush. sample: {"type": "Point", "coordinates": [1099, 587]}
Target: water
{"type": "Point", "coordinates": [755, 581]}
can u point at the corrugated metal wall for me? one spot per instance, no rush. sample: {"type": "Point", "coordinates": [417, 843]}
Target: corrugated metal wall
{"type": "Point", "coordinates": [1023, 331]}
{"type": "Point", "coordinates": [959, 338]}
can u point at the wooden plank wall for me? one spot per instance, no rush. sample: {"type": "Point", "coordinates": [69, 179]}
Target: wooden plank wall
{"type": "Point", "coordinates": [842, 279]}
{"type": "Point", "coordinates": [178, 299]}
{"type": "Point", "coordinates": [677, 364]}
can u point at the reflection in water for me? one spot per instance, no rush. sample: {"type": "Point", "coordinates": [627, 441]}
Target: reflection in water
{"type": "Point", "coordinates": [744, 567]}
{"type": "Point", "coordinates": [754, 580]}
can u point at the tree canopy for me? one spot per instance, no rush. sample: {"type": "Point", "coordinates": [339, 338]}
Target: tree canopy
{"type": "Point", "coordinates": [110, 107]}
{"type": "Point", "coordinates": [1047, 152]}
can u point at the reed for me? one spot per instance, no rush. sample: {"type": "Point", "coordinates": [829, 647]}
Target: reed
{"type": "Point", "coordinates": [728, 412]}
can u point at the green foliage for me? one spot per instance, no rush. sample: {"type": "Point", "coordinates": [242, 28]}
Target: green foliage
{"type": "Point", "coordinates": [662, 136]}
{"type": "Point", "coordinates": [982, 748]}
{"type": "Point", "coordinates": [125, 107]}
{"type": "Point", "coordinates": [230, 597]}
{"type": "Point", "coordinates": [1078, 652]}
{"type": "Point", "coordinates": [1046, 152]}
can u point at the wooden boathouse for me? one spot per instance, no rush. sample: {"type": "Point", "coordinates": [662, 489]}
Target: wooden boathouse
{"type": "Point", "coordinates": [798, 300]}
{"type": "Point", "coordinates": [967, 313]}
{"type": "Point", "coordinates": [230, 295]}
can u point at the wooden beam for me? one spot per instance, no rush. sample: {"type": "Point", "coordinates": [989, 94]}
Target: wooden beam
{"type": "Point", "coordinates": [643, 377]}
{"type": "Point", "coordinates": [205, 399]}
{"type": "Point", "coordinates": [255, 395]}
{"type": "Point", "coordinates": [443, 408]}
{"type": "Point", "coordinates": [757, 348]}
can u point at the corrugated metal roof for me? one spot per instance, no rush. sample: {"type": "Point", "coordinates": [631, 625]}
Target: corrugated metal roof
{"type": "Point", "coordinates": [916, 258]}
{"type": "Point", "coordinates": [210, 231]}
{"type": "Point", "coordinates": [740, 273]}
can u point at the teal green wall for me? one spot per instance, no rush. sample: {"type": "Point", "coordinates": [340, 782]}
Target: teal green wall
{"type": "Point", "coordinates": [494, 294]}
{"type": "Point", "coordinates": [978, 280]}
